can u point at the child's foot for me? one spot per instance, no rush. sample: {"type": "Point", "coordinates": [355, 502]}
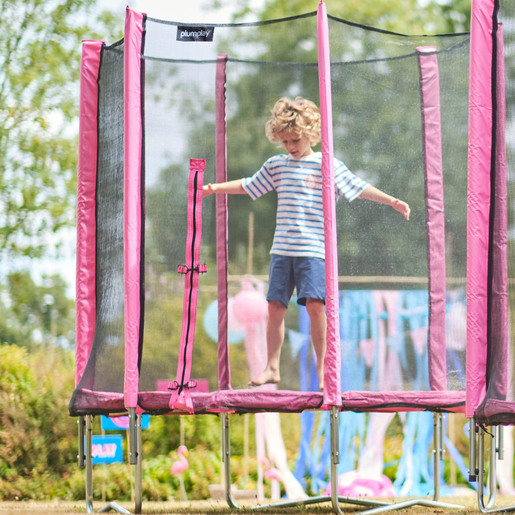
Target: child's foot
{"type": "Point", "coordinates": [320, 374]}
{"type": "Point", "coordinates": [266, 377]}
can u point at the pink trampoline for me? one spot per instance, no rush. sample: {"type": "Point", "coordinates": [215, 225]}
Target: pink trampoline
{"type": "Point", "coordinates": [173, 106]}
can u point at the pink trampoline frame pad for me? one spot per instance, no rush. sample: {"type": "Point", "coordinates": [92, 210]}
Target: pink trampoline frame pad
{"type": "Point", "coordinates": [279, 401]}
{"type": "Point", "coordinates": [87, 402]}
{"type": "Point", "coordinates": [286, 401]}
{"type": "Point", "coordinates": [494, 411]}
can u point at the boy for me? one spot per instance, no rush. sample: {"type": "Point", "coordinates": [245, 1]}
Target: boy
{"type": "Point", "coordinates": [298, 252]}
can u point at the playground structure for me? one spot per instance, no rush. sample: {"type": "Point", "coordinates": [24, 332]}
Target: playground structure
{"type": "Point", "coordinates": [173, 106]}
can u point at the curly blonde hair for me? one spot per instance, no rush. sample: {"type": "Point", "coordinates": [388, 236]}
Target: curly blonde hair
{"type": "Point", "coordinates": [299, 117]}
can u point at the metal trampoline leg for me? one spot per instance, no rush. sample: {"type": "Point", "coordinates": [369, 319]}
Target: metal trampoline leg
{"type": "Point", "coordinates": [81, 422]}
{"type": "Point", "coordinates": [437, 452]}
{"type": "Point", "coordinates": [89, 464]}
{"type": "Point", "coordinates": [133, 438]}
{"type": "Point", "coordinates": [138, 468]}
{"type": "Point", "coordinates": [86, 451]}
{"type": "Point", "coordinates": [135, 455]}
{"type": "Point", "coordinates": [492, 476]}
{"type": "Point", "coordinates": [472, 451]}
{"type": "Point", "coordinates": [335, 457]}
{"type": "Point", "coordinates": [495, 449]}
{"type": "Point", "coordinates": [481, 471]}
{"type": "Point", "coordinates": [226, 457]}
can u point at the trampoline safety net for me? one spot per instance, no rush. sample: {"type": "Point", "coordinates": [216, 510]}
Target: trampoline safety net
{"type": "Point", "coordinates": [401, 284]}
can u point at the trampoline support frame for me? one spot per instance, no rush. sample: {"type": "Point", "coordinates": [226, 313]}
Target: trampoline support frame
{"type": "Point", "coordinates": [334, 498]}
{"type": "Point", "coordinates": [85, 459]}
{"type": "Point", "coordinates": [477, 458]}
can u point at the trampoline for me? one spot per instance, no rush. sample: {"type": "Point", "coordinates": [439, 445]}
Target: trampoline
{"type": "Point", "coordinates": [173, 106]}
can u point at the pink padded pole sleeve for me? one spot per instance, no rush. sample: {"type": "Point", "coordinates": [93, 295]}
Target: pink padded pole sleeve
{"type": "Point", "coordinates": [332, 361]}
{"type": "Point", "coordinates": [85, 292]}
{"type": "Point", "coordinates": [224, 371]}
{"type": "Point", "coordinates": [478, 203]}
{"type": "Point", "coordinates": [181, 398]}
{"type": "Point", "coordinates": [432, 145]}
{"type": "Point", "coordinates": [133, 39]}
{"type": "Point", "coordinates": [499, 320]}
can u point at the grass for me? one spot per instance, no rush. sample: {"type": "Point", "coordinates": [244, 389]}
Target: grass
{"type": "Point", "coordinates": [469, 501]}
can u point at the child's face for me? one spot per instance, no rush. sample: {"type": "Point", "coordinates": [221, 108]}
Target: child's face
{"type": "Point", "coordinates": [296, 146]}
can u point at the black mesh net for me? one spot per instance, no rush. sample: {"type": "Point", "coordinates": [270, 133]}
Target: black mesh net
{"type": "Point", "coordinates": [377, 133]}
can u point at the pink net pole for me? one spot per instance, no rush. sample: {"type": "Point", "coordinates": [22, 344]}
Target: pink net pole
{"type": "Point", "coordinates": [133, 40]}
{"type": "Point", "coordinates": [85, 291]}
{"type": "Point", "coordinates": [432, 145]}
{"type": "Point", "coordinates": [478, 206]}
{"type": "Point", "coordinates": [333, 356]}
{"type": "Point", "coordinates": [224, 371]}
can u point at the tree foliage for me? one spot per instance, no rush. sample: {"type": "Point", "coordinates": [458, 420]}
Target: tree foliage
{"type": "Point", "coordinates": [39, 73]}
{"type": "Point", "coordinates": [36, 314]}
{"type": "Point", "coordinates": [40, 48]}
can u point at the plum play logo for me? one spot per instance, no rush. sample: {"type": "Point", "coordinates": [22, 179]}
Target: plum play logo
{"type": "Point", "coordinates": [194, 33]}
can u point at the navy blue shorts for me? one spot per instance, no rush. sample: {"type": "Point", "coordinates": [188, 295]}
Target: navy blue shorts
{"type": "Point", "coordinates": [307, 274]}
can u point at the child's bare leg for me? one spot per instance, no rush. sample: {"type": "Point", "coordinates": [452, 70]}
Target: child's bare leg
{"type": "Point", "coordinates": [274, 341]}
{"type": "Point", "coordinates": [317, 317]}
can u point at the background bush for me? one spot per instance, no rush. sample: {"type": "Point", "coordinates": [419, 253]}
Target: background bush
{"type": "Point", "coordinates": [38, 439]}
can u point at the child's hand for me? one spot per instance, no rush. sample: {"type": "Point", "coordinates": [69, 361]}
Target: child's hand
{"type": "Point", "coordinates": [402, 207]}
{"type": "Point", "coordinates": [207, 190]}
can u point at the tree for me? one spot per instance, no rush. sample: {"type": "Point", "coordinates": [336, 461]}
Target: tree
{"type": "Point", "coordinates": [36, 315]}
{"type": "Point", "coordinates": [39, 73]}
{"type": "Point", "coordinates": [39, 77]}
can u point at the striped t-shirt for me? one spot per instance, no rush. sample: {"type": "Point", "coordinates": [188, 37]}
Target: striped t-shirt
{"type": "Point", "coordinates": [299, 229]}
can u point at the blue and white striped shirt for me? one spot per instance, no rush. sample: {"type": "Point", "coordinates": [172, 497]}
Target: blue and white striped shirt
{"type": "Point", "coordinates": [299, 229]}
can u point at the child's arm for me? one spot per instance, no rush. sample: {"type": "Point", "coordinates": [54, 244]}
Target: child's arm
{"type": "Point", "coordinates": [223, 187]}
{"type": "Point", "coordinates": [375, 195]}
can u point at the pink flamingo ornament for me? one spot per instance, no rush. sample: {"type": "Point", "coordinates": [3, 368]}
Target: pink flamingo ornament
{"type": "Point", "coordinates": [360, 484]}
{"type": "Point", "coordinates": [274, 475]}
{"type": "Point", "coordinates": [283, 475]}
{"type": "Point", "coordinates": [178, 468]}
{"type": "Point", "coordinates": [271, 472]}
